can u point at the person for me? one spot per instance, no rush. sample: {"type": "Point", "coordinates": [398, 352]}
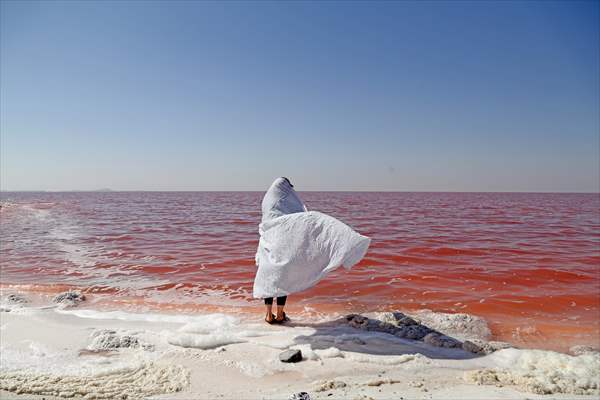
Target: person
{"type": "Point", "coordinates": [281, 199]}
{"type": "Point", "coordinates": [297, 248]}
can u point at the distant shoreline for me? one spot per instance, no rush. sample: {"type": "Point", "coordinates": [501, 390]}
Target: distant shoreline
{"type": "Point", "coordinates": [300, 191]}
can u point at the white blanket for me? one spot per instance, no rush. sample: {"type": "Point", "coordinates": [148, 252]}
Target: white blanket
{"type": "Point", "coordinates": [297, 248]}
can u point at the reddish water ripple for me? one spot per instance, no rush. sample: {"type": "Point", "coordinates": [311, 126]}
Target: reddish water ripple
{"type": "Point", "coordinates": [529, 263]}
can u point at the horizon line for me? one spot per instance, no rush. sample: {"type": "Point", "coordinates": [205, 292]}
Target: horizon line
{"type": "Point", "coordinates": [301, 191]}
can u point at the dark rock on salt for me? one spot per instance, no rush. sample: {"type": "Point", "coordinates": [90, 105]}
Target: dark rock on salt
{"type": "Point", "coordinates": [396, 324]}
{"type": "Point", "coordinates": [438, 340]}
{"type": "Point", "coordinates": [12, 300]}
{"type": "Point", "coordinates": [479, 346]}
{"type": "Point", "coordinates": [403, 326]}
{"type": "Point", "coordinates": [290, 356]}
{"type": "Point", "coordinates": [368, 324]}
{"type": "Point", "coordinates": [357, 321]}
{"type": "Point", "coordinates": [414, 332]}
{"type": "Point", "coordinates": [405, 319]}
{"type": "Point", "coordinates": [16, 299]}
{"type": "Point", "coordinates": [472, 347]}
{"type": "Point", "coordinates": [71, 297]}
{"type": "Point", "coordinates": [383, 327]}
{"type": "Point", "coordinates": [299, 396]}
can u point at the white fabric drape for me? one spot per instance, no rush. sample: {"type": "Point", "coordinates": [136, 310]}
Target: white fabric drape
{"type": "Point", "coordinates": [297, 248]}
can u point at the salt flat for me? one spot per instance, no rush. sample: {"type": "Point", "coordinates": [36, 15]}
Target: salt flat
{"type": "Point", "coordinates": [79, 352]}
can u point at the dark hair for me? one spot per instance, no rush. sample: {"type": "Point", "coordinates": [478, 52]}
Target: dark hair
{"type": "Point", "coordinates": [288, 181]}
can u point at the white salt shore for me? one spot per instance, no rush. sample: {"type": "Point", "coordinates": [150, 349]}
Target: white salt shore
{"type": "Point", "coordinates": [53, 352]}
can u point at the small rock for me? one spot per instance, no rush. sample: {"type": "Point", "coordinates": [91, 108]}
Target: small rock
{"type": "Point", "coordinates": [299, 396]}
{"type": "Point", "coordinates": [357, 321]}
{"type": "Point", "coordinates": [350, 317]}
{"type": "Point", "coordinates": [71, 297]}
{"type": "Point", "coordinates": [472, 347]}
{"type": "Point", "coordinates": [384, 327]}
{"type": "Point", "coordinates": [290, 356]}
{"type": "Point", "coordinates": [16, 299]}
{"type": "Point", "coordinates": [414, 332]}
{"type": "Point", "coordinates": [438, 340]}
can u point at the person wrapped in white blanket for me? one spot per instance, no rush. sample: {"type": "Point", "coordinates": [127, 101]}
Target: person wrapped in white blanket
{"type": "Point", "coordinates": [297, 247]}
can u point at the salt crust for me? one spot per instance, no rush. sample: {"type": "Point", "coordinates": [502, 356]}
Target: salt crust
{"type": "Point", "coordinates": [542, 372]}
{"type": "Point", "coordinates": [144, 380]}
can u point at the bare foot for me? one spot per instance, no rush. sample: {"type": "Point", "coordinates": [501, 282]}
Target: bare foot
{"type": "Point", "coordinates": [281, 317]}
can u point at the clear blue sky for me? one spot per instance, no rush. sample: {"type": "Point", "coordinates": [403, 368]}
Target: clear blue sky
{"type": "Point", "coordinates": [459, 96]}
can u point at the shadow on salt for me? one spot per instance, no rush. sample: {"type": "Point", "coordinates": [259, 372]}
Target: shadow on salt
{"type": "Point", "coordinates": [396, 335]}
{"type": "Point", "coordinates": [390, 334]}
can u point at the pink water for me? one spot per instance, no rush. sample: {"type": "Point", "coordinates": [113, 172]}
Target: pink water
{"type": "Point", "coordinates": [528, 263]}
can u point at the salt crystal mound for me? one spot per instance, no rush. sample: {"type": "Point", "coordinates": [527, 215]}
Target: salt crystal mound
{"type": "Point", "coordinates": [16, 299]}
{"type": "Point", "coordinates": [211, 331]}
{"type": "Point", "coordinates": [107, 339]}
{"type": "Point", "coordinates": [542, 372]}
{"type": "Point", "coordinates": [207, 341]}
{"type": "Point", "coordinates": [460, 326]}
{"type": "Point", "coordinates": [199, 331]}
{"type": "Point", "coordinates": [12, 302]}
{"type": "Point", "coordinates": [136, 383]}
{"type": "Point", "coordinates": [41, 370]}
